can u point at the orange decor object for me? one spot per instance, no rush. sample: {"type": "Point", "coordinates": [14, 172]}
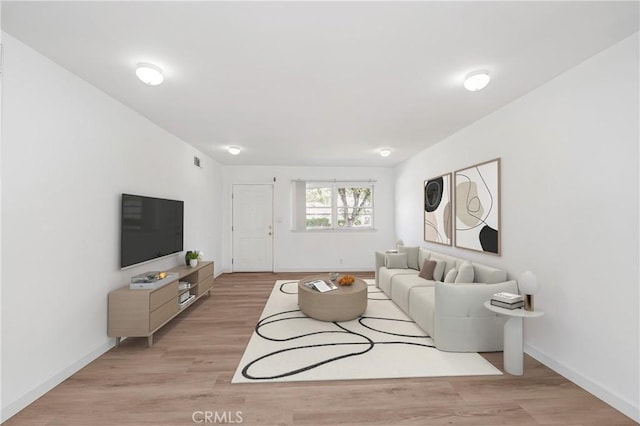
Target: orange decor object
{"type": "Point", "coordinates": [346, 280]}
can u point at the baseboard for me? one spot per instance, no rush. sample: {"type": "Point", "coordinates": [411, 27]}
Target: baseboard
{"type": "Point", "coordinates": [596, 389]}
{"type": "Point", "coordinates": [16, 406]}
{"type": "Point", "coordinates": [342, 268]}
{"type": "Point", "coordinates": [306, 270]}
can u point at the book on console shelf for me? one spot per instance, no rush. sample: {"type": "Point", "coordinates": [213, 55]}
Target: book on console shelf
{"type": "Point", "coordinates": [184, 296]}
{"type": "Point", "coordinates": [515, 305]}
{"type": "Point", "coordinates": [187, 301]}
{"type": "Point", "coordinates": [321, 285]}
{"type": "Point", "coordinates": [507, 297]}
{"type": "Point", "coordinates": [184, 285]}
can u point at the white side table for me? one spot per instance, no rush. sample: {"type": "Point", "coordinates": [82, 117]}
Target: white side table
{"type": "Point", "coordinates": [513, 342]}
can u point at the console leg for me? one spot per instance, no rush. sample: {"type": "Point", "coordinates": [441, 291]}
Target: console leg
{"type": "Point", "coordinates": [117, 341]}
{"type": "Point", "coordinates": [150, 340]}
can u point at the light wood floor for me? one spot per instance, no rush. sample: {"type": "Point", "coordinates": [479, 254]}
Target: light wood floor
{"type": "Point", "coordinates": [190, 366]}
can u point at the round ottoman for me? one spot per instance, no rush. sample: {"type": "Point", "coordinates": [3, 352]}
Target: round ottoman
{"type": "Point", "coordinates": [342, 304]}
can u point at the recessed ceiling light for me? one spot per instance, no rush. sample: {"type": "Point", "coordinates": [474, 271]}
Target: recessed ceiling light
{"type": "Point", "coordinates": [476, 80]}
{"type": "Point", "coordinates": [234, 150]}
{"type": "Point", "coordinates": [149, 74]}
{"type": "Point", "coordinates": [385, 152]}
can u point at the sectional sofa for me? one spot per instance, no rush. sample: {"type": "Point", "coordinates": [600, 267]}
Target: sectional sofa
{"type": "Point", "coordinates": [450, 305]}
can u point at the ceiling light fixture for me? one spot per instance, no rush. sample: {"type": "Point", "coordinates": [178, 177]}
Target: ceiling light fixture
{"type": "Point", "coordinates": [234, 150]}
{"type": "Point", "coordinates": [385, 152]}
{"type": "Point", "coordinates": [476, 80]}
{"type": "Point", "coordinates": [149, 74]}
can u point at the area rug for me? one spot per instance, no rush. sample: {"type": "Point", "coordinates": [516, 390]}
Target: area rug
{"type": "Point", "coordinates": [383, 343]}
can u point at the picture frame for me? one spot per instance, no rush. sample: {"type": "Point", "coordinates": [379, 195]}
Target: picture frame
{"type": "Point", "coordinates": [438, 210]}
{"type": "Point", "coordinates": [477, 207]}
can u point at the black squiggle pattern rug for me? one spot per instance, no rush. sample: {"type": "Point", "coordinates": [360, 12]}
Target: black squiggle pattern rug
{"type": "Point", "coordinates": [383, 343]}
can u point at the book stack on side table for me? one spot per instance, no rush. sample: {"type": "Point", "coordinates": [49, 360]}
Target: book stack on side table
{"type": "Point", "coordinates": [507, 300]}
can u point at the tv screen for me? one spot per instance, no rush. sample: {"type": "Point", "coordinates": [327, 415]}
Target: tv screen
{"type": "Point", "coordinates": [150, 228]}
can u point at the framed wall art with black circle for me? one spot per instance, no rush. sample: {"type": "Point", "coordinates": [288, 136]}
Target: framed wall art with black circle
{"type": "Point", "coordinates": [477, 202]}
{"type": "Point", "coordinates": [438, 208]}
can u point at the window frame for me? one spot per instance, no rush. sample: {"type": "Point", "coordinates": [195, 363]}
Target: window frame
{"type": "Point", "coordinates": [334, 207]}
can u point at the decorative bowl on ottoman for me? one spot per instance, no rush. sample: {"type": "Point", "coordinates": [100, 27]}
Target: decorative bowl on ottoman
{"type": "Point", "coordinates": [346, 280]}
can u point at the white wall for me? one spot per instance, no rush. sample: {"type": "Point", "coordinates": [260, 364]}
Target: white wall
{"type": "Point", "coordinates": [1, 71]}
{"type": "Point", "coordinates": [320, 250]}
{"type": "Point", "coordinates": [569, 208]}
{"type": "Point", "coordinates": [68, 151]}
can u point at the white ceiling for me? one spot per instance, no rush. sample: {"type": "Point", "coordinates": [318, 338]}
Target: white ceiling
{"type": "Point", "coordinates": [317, 83]}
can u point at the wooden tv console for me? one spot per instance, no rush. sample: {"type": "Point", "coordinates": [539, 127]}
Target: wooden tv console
{"type": "Point", "coordinates": [140, 313]}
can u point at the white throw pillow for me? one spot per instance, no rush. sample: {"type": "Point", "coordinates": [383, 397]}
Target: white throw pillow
{"type": "Point", "coordinates": [412, 256]}
{"type": "Point", "coordinates": [396, 261]}
{"type": "Point", "coordinates": [438, 272]}
{"type": "Point", "coordinates": [423, 254]}
{"type": "Point", "coordinates": [451, 276]}
{"type": "Point", "coordinates": [465, 274]}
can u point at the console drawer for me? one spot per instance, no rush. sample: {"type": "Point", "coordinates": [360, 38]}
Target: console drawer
{"type": "Point", "coordinates": [160, 296]}
{"type": "Point", "coordinates": [205, 272]}
{"type": "Point", "coordinates": [205, 285]}
{"type": "Point", "coordinates": [163, 313]}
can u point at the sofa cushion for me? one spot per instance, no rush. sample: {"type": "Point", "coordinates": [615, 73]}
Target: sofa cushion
{"type": "Point", "coordinates": [412, 256]}
{"type": "Point", "coordinates": [422, 307]}
{"type": "Point", "coordinates": [451, 261]}
{"type": "Point", "coordinates": [465, 273]}
{"type": "Point", "coordinates": [385, 276]}
{"type": "Point", "coordinates": [451, 276]}
{"type": "Point", "coordinates": [462, 323]}
{"type": "Point", "coordinates": [402, 286]}
{"type": "Point", "coordinates": [488, 274]}
{"type": "Point", "coordinates": [423, 254]}
{"type": "Point", "coordinates": [426, 271]}
{"type": "Point", "coordinates": [438, 272]}
{"type": "Point", "coordinates": [396, 261]}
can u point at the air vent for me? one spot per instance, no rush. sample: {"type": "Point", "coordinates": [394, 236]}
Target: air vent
{"type": "Point", "coordinates": [196, 162]}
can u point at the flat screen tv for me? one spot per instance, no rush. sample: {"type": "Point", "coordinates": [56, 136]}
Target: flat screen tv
{"type": "Point", "coordinates": [150, 228]}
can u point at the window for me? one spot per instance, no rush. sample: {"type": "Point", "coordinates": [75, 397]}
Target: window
{"type": "Point", "coordinates": [318, 207]}
{"type": "Point", "coordinates": [335, 205]}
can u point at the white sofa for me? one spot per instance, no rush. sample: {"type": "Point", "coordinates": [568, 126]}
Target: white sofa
{"type": "Point", "coordinates": [453, 314]}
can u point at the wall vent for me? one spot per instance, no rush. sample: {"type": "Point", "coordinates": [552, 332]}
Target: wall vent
{"type": "Point", "coordinates": [196, 162]}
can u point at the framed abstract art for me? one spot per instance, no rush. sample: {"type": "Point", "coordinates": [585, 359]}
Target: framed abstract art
{"type": "Point", "coordinates": [438, 210]}
{"type": "Point", "coordinates": [477, 207]}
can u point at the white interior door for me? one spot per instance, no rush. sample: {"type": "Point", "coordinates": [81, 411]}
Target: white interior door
{"type": "Point", "coordinates": [252, 228]}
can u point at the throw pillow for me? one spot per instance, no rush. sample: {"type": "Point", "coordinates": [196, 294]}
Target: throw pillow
{"type": "Point", "coordinates": [451, 276]}
{"type": "Point", "coordinates": [465, 274]}
{"type": "Point", "coordinates": [423, 254]}
{"type": "Point", "coordinates": [396, 261]}
{"type": "Point", "coordinates": [427, 269]}
{"type": "Point", "coordinates": [412, 256]}
{"type": "Point", "coordinates": [438, 272]}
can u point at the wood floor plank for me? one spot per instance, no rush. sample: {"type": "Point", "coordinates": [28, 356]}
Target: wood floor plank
{"type": "Point", "coordinates": [457, 413]}
{"type": "Point", "coordinates": [187, 375]}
